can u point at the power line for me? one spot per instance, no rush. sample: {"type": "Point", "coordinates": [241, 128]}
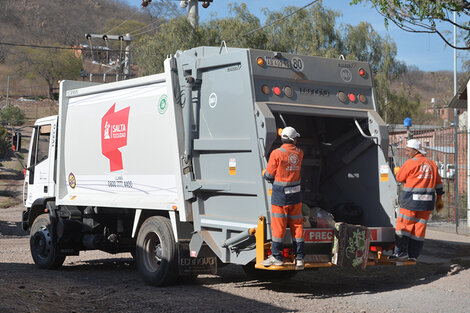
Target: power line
{"type": "Point", "coordinates": [143, 27]}
{"type": "Point", "coordinates": [141, 33]}
{"type": "Point", "coordinates": [276, 21]}
{"type": "Point", "coordinates": [126, 20]}
{"type": "Point", "coordinates": [55, 47]}
{"type": "Point", "coordinates": [35, 46]}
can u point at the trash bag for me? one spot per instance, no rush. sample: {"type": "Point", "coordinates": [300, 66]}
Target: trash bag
{"type": "Point", "coordinates": [316, 217]}
{"type": "Point", "coordinates": [348, 213]}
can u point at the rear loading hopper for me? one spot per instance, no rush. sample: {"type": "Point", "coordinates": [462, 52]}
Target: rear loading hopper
{"type": "Point", "coordinates": [240, 98]}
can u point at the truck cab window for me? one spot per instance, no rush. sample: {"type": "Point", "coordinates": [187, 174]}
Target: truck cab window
{"type": "Point", "coordinates": [43, 143]}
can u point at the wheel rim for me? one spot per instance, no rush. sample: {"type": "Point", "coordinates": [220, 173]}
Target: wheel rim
{"type": "Point", "coordinates": [42, 242]}
{"type": "Point", "coordinates": [153, 252]}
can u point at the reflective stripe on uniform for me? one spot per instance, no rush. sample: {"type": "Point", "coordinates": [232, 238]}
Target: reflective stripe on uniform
{"type": "Point", "coordinates": [299, 239]}
{"type": "Point", "coordinates": [268, 176]}
{"type": "Point", "coordinates": [279, 215]}
{"type": "Point", "coordinates": [282, 150]}
{"type": "Point", "coordinates": [420, 220]}
{"type": "Point", "coordinates": [286, 183]}
{"type": "Point", "coordinates": [419, 189]}
{"type": "Point", "coordinates": [275, 239]}
{"type": "Point", "coordinates": [294, 217]}
{"type": "Point", "coordinates": [407, 234]}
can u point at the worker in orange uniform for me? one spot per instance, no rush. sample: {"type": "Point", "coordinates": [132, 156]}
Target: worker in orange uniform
{"type": "Point", "coordinates": [422, 183]}
{"type": "Point", "coordinates": [283, 172]}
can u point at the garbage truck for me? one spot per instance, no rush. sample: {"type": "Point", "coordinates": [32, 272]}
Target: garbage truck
{"type": "Point", "coordinates": [168, 166]}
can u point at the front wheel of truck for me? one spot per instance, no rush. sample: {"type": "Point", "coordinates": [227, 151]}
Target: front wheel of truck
{"type": "Point", "coordinates": [43, 250]}
{"type": "Point", "coordinates": [157, 254]}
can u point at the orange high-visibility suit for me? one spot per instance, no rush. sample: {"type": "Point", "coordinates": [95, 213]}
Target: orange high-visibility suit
{"type": "Point", "coordinates": [422, 183]}
{"type": "Point", "coordinates": [283, 171]}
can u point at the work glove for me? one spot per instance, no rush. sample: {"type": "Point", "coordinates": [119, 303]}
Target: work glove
{"type": "Point", "coordinates": [439, 205]}
{"type": "Point", "coordinates": [262, 173]}
{"type": "Point", "coordinates": [396, 169]}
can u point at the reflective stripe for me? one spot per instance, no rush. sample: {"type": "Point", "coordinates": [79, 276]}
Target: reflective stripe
{"type": "Point", "coordinates": [299, 239]}
{"type": "Point", "coordinates": [281, 149]}
{"type": "Point", "coordinates": [294, 217]}
{"type": "Point", "coordinates": [407, 234]}
{"type": "Point", "coordinates": [268, 176]}
{"type": "Point", "coordinates": [286, 183]}
{"type": "Point", "coordinates": [414, 159]}
{"type": "Point", "coordinates": [419, 189]}
{"type": "Point", "coordinates": [275, 239]}
{"type": "Point", "coordinates": [418, 197]}
{"type": "Point", "coordinates": [419, 220]}
{"type": "Point", "coordinates": [279, 215]}
{"type": "Point", "coordinates": [294, 189]}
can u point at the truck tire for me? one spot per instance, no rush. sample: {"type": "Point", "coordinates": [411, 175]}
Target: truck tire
{"type": "Point", "coordinates": [157, 253]}
{"type": "Point", "coordinates": [265, 275]}
{"type": "Point", "coordinates": [44, 252]}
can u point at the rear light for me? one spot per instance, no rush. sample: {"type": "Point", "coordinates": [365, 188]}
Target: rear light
{"type": "Point", "coordinates": [265, 89]}
{"type": "Point", "coordinates": [288, 91]}
{"type": "Point", "coordinates": [277, 90]}
{"type": "Point", "coordinates": [362, 72]}
{"type": "Point", "coordinates": [352, 97]}
{"type": "Point", "coordinates": [260, 61]}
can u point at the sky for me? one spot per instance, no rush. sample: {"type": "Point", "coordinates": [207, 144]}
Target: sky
{"type": "Point", "coordinates": [426, 51]}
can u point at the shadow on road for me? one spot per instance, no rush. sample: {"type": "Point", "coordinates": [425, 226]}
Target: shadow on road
{"type": "Point", "coordinates": [9, 228]}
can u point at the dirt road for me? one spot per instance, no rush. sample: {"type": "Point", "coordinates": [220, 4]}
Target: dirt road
{"type": "Point", "coordinates": [99, 282]}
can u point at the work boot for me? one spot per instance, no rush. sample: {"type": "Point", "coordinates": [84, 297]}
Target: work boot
{"type": "Point", "coordinates": [403, 256]}
{"type": "Point", "coordinates": [272, 261]}
{"type": "Point", "coordinates": [299, 264]}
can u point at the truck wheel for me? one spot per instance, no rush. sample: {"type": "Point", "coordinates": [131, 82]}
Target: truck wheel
{"type": "Point", "coordinates": [45, 253]}
{"type": "Point", "coordinates": [265, 275]}
{"type": "Point", "coordinates": [157, 254]}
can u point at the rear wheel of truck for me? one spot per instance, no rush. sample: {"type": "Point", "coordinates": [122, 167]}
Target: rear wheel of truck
{"type": "Point", "coordinates": [44, 251]}
{"type": "Point", "coordinates": [157, 254]}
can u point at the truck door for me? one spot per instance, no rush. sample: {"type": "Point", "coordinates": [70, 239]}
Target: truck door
{"type": "Point", "coordinates": [40, 168]}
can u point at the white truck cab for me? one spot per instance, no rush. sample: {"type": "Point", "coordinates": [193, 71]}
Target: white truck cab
{"type": "Point", "coordinates": [39, 183]}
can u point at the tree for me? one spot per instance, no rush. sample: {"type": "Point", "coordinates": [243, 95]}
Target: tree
{"type": "Point", "coordinates": [423, 16]}
{"type": "Point", "coordinates": [51, 65]}
{"type": "Point", "coordinates": [309, 32]}
{"type": "Point", "coordinates": [12, 115]}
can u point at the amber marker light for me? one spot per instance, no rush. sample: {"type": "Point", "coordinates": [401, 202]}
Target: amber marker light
{"type": "Point", "coordinates": [260, 61]}
{"type": "Point", "coordinates": [265, 89]}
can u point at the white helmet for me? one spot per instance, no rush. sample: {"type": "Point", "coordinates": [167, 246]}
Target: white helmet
{"type": "Point", "coordinates": [415, 144]}
{"type": "Point", "coordinates": [289, 133]}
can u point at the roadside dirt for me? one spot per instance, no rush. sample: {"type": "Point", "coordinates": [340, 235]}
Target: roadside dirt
{"type": "Point", "coordinates": [100, 282]}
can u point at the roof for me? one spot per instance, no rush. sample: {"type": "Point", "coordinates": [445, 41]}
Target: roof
{"type": "Point", "coordinates": [459, 101]}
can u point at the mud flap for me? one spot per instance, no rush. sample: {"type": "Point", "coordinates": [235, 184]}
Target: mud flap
{"type": "Point", "coordinates": [204, 263]}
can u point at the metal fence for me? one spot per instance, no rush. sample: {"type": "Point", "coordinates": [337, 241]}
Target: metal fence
{"type": "Point", "coordinates": [448, 149]}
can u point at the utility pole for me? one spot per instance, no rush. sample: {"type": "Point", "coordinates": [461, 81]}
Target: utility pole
{"type": "Point", "coordinates": [193, 15]}
{"type": "Point", "coordinates": [8, 88]}
{"type": "Point", "coordinates": [456, 137]}
{"type": "Point", "coordinates": [127, 52]}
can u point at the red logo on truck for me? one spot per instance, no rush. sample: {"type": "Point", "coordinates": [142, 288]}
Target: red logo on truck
{"type": "Point", "coordinates": [114, 136]}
